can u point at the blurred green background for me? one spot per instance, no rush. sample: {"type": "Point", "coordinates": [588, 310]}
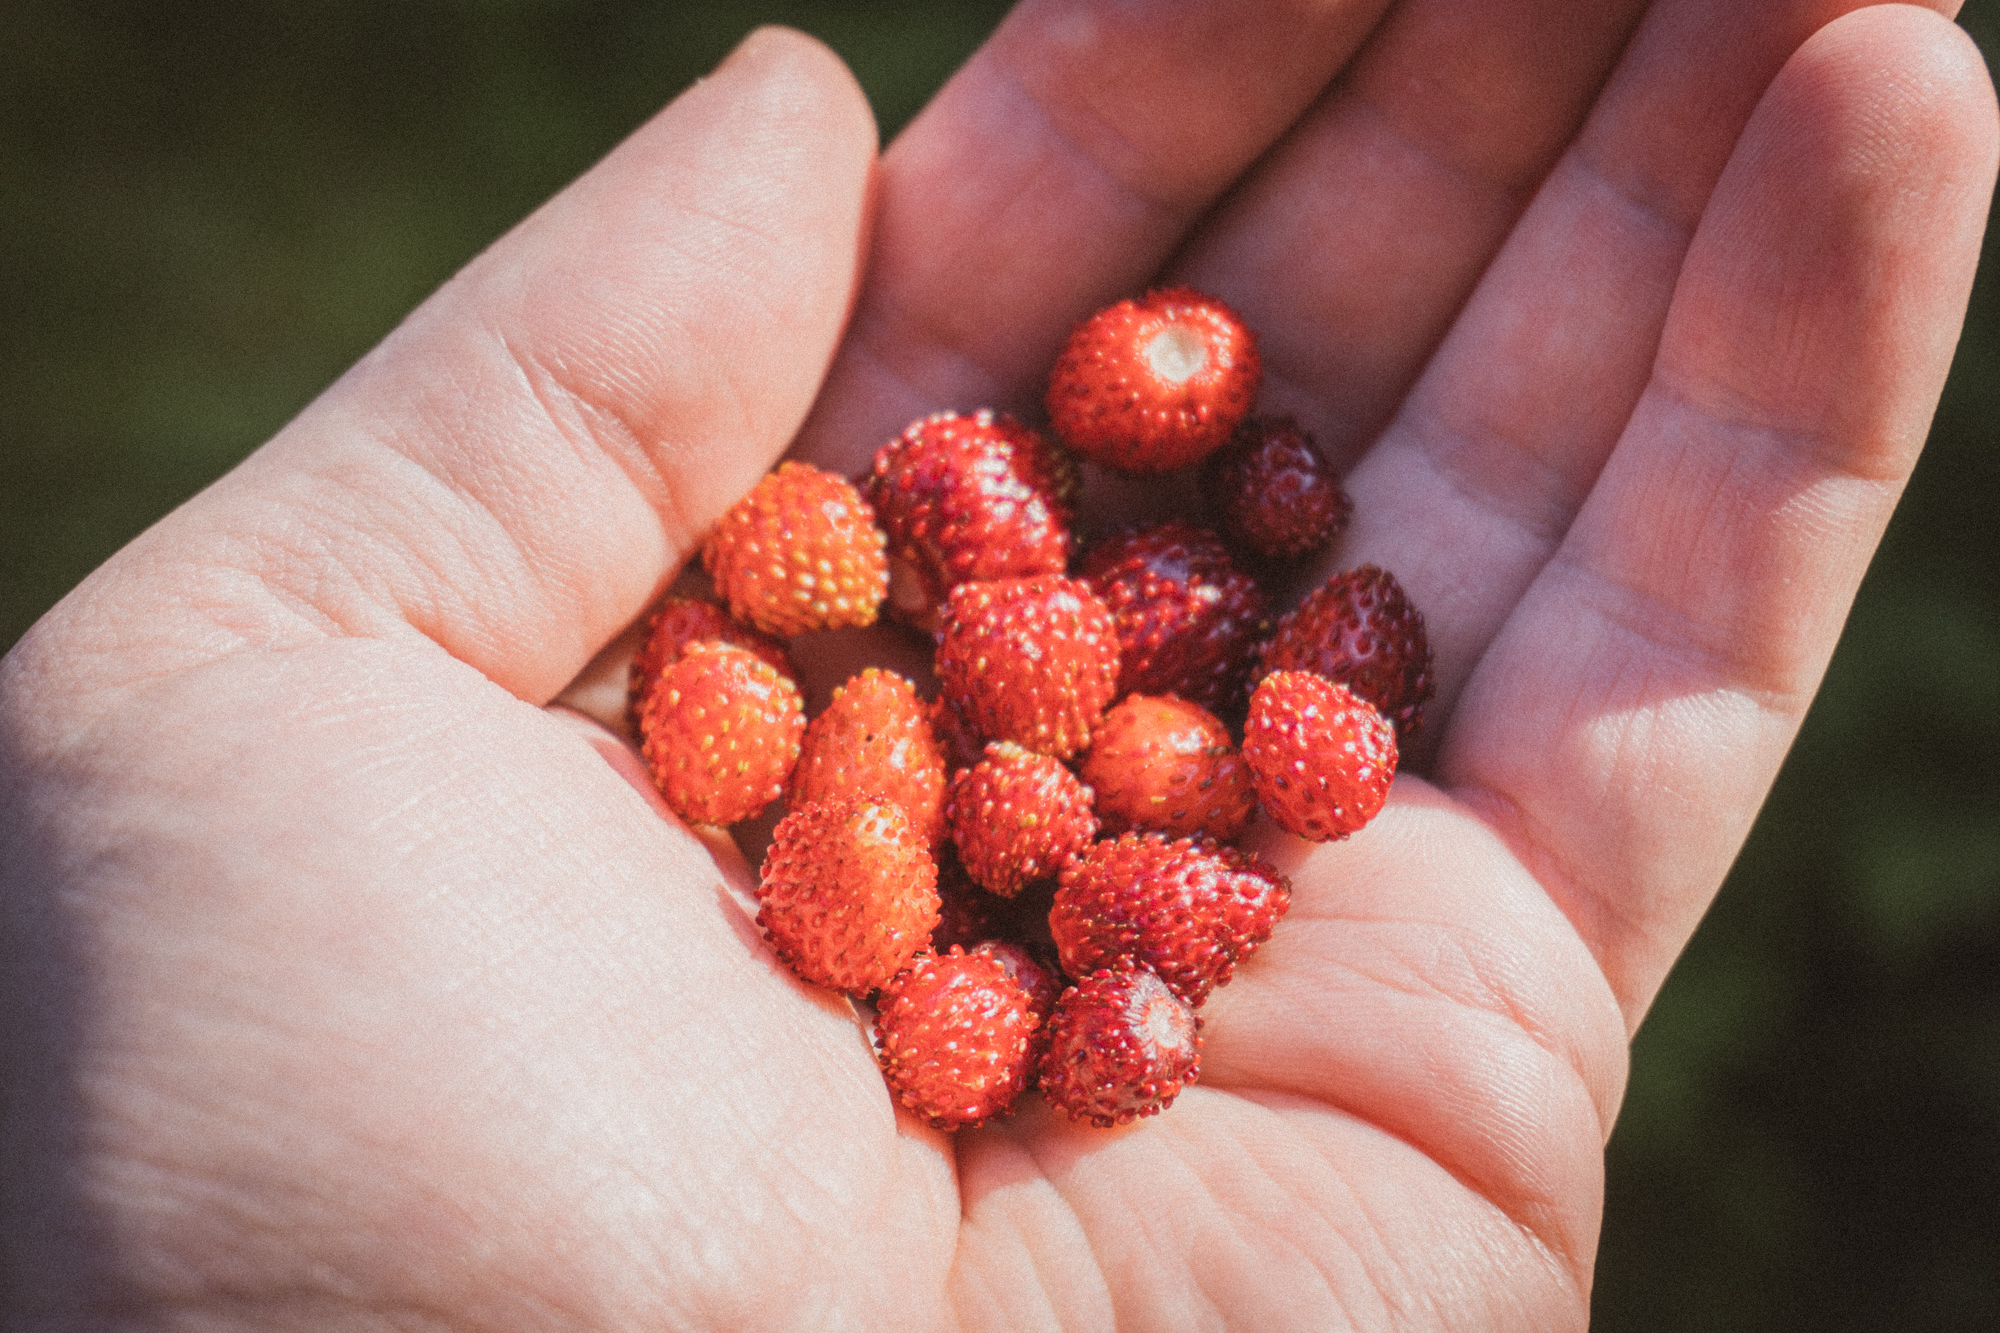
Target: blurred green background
{"type": "Point", "coordinates": [208, 209]}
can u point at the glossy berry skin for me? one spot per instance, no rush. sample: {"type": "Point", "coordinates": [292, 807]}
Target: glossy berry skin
{"type": "Point", "coordinates": [1120, 1046]}
{"type": "Point", "coordinates": [1189, 622]}
{"type": "Point", "coordinates": [1186, 908]}
{"type": "Point", "coordinates": [1168, 765]}
{"type": "Point", "coordinates": [954, 1034]}
{"type": "Point", "coordinates": [1321, 756]}
{"type": "Point", "coordinates": [965, 498]}
{"type": "Point", "coordinates": [1156, 383]}
{"type": "Point", "coordinates": [680, 621]}
{"type": "Point", "coordinates": [720, 732]}
{"type": "Point", "coordinates": [1033, 661]}
{"type": "Point", "coordinates": [874, 736]}
{"type": "Point", "coordinates": [799, 553]}
{"type": "Point", "coordinates": [1276, 493]}
{"type": "Point", "coordinates": [1361, 631]}
{"type": "Point", "coordinates": [1042, 982]}
{"type": "Point", "coordinates": [849, 893]}
{"type": "Point", "coordinates": [1017, 816]}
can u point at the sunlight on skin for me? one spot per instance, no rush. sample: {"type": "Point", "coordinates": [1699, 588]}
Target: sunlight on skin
{"type": "Point", "coordinates": [356, 984]}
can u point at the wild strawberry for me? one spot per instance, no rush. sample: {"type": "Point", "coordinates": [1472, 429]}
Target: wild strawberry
{"type": "Point", "coordinates": [1189, 621]}
{"type": "Point", "coordinates": [1188, 909]}
{"type": "Point", "coordinates": [1360, 631]}
{"type": "Point", "coordinates": [1276, 492]}
{"type": "Point", "coordinates": [1039, 979]}
{"type": "Point", "coordinates": [1321, 756]}
{"type": "Point", "coordinates": [720, 731]}
{"type": "Point", "coordinates": [680, 621]}
{"type": "Point", "coordinates": [1121, 1046]}
{"type": "Point", "coordinates": [874, 736]}
{"type": "Point", "coordinates": [1033, 661]}
{"type": "Point", "coordinates": [1156, 383]}
{"type": "Point", "coordinates": [953, 1036]}
{"type": "Point", "coordinates": [1017, 817]}
{"type": "Point", "coordinates": [1166, 764]}
{"type": "Point", "coordinates": [966, 498]}
{"type": "Point", "coordinates": [849, 892]}
{"type": "Point", "coordinates": [800, 552]}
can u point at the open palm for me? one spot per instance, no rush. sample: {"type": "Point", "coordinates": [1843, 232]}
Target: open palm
{"type": "Point", "coordinates": [347, 985]}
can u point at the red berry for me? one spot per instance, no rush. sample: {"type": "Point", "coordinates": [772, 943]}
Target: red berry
{"type": "Point", "coordinates": [720, 732]}
{"type": "Point", "coordinates": [874, 736]}
{"type": "Point", "coordinates": [953, 1034]}
{"type": "Point", "coordinates": [1033, 661]}
{"type": "Point", "coordinates": [1017, 817]}
{"type": "Point", "coordinates": [1040, 980]}
{"type": "Point", "coordinates": [1121, 1046]}
{"type": "Point", "coordinates": [1276, 492]}
{"type": "Point", "coordinates": [1188, 909]}
{"type": "Point", "coordinates": [1167, 764]}
{"type": "Point", "coordinates": [1156, 383]}
{"type": "Point", "coordinates": [1321, 756]}
{"type": "Point", "coordinates": [969, 498]}
{"type": "Point", "coordinates": [1189, 621]}
{"type": "Point", "coordinates": [800, 552]}
{"type": "Point", "coordinates": [1361, 631]}
{"type": "Point", "coordinates": [683, 620]}
{"type": "Point", "coordinates": [849, 892]}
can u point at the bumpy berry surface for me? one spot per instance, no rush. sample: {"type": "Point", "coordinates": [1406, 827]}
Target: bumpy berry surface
{"type": "Point", "coordinates": [1321, 756]}
{"type": "Point", "coordinates": [1275, 491]}
{"type": "Point", "coordinates": [849, 892]}
{"type": "Point", "coordinates": [1120, 1046]}
{"type": "Point", "coordinates": [1361, 631]}
{"type": "Point", "coordinates": [800, 552]}
{"type": "Point", "coordinates": [680, 621]}
{"type": "Point", "coordinates": [1040, 979]}
{"type": "Point", "coordinates": [1189, 622]}
{"type": "Point", "coordinates": [720, 732]}
{"type": "Point", "coordinates": [874, 736]}
{"type": "Point", "coordinates": [954, 1033]}
{"type": "Point", "coordinates": [1155, 383]}
{"type": "Point", "coordinates": [1188, 909]}
{"type": "Point", "coordinates": [1033, 661]}
{"type": "Point", "coordinates": [969, 497]}
{"type": "Point", "coordinates": [1016, 817]}
{"type": "Point", "coordinates": [1166, 764]}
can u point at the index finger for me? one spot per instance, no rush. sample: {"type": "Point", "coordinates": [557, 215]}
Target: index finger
{"type": "Point", "coordinates": [1057, 170]}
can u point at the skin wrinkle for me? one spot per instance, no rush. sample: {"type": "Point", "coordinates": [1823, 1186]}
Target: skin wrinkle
{"type": "Point", "coordinates": [601, 429]}
{"type": "Point", "coordinates": [1252, 1151]}
{"type": "Point", "coordinates": [1307, 1085]}
{"type": "Point", "coordinates": [1387, 1278]}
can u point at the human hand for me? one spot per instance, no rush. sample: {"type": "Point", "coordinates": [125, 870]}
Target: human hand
{"type": "Point", "coordinates": [344, 982]}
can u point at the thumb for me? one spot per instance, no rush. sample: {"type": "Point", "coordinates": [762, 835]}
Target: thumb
{"type": "Point", "coordinates": [516, 470]}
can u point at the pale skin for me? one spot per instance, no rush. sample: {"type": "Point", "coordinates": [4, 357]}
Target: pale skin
{"type": "Point", "coordinates": [347, 985]}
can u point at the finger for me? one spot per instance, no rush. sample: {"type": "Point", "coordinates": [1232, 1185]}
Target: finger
{"type": "Point", "coordinates": [1057, 170]}
{"type": "Point", "coordinates": [1627, 722]}
{"type": "Point", "coordinates": [515, 470]}
{"type": "Point", "coordinates": [1415, 165]}
{"type": "Point", "coordinates": [1473, 483]}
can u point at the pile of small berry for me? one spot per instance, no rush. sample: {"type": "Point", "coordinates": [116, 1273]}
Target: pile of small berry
{"type": "Point", "coordinates": [945, 857]}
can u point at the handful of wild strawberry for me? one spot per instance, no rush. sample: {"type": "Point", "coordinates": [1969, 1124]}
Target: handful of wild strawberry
{"type": "Point", "coordinates": [945, 856]}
